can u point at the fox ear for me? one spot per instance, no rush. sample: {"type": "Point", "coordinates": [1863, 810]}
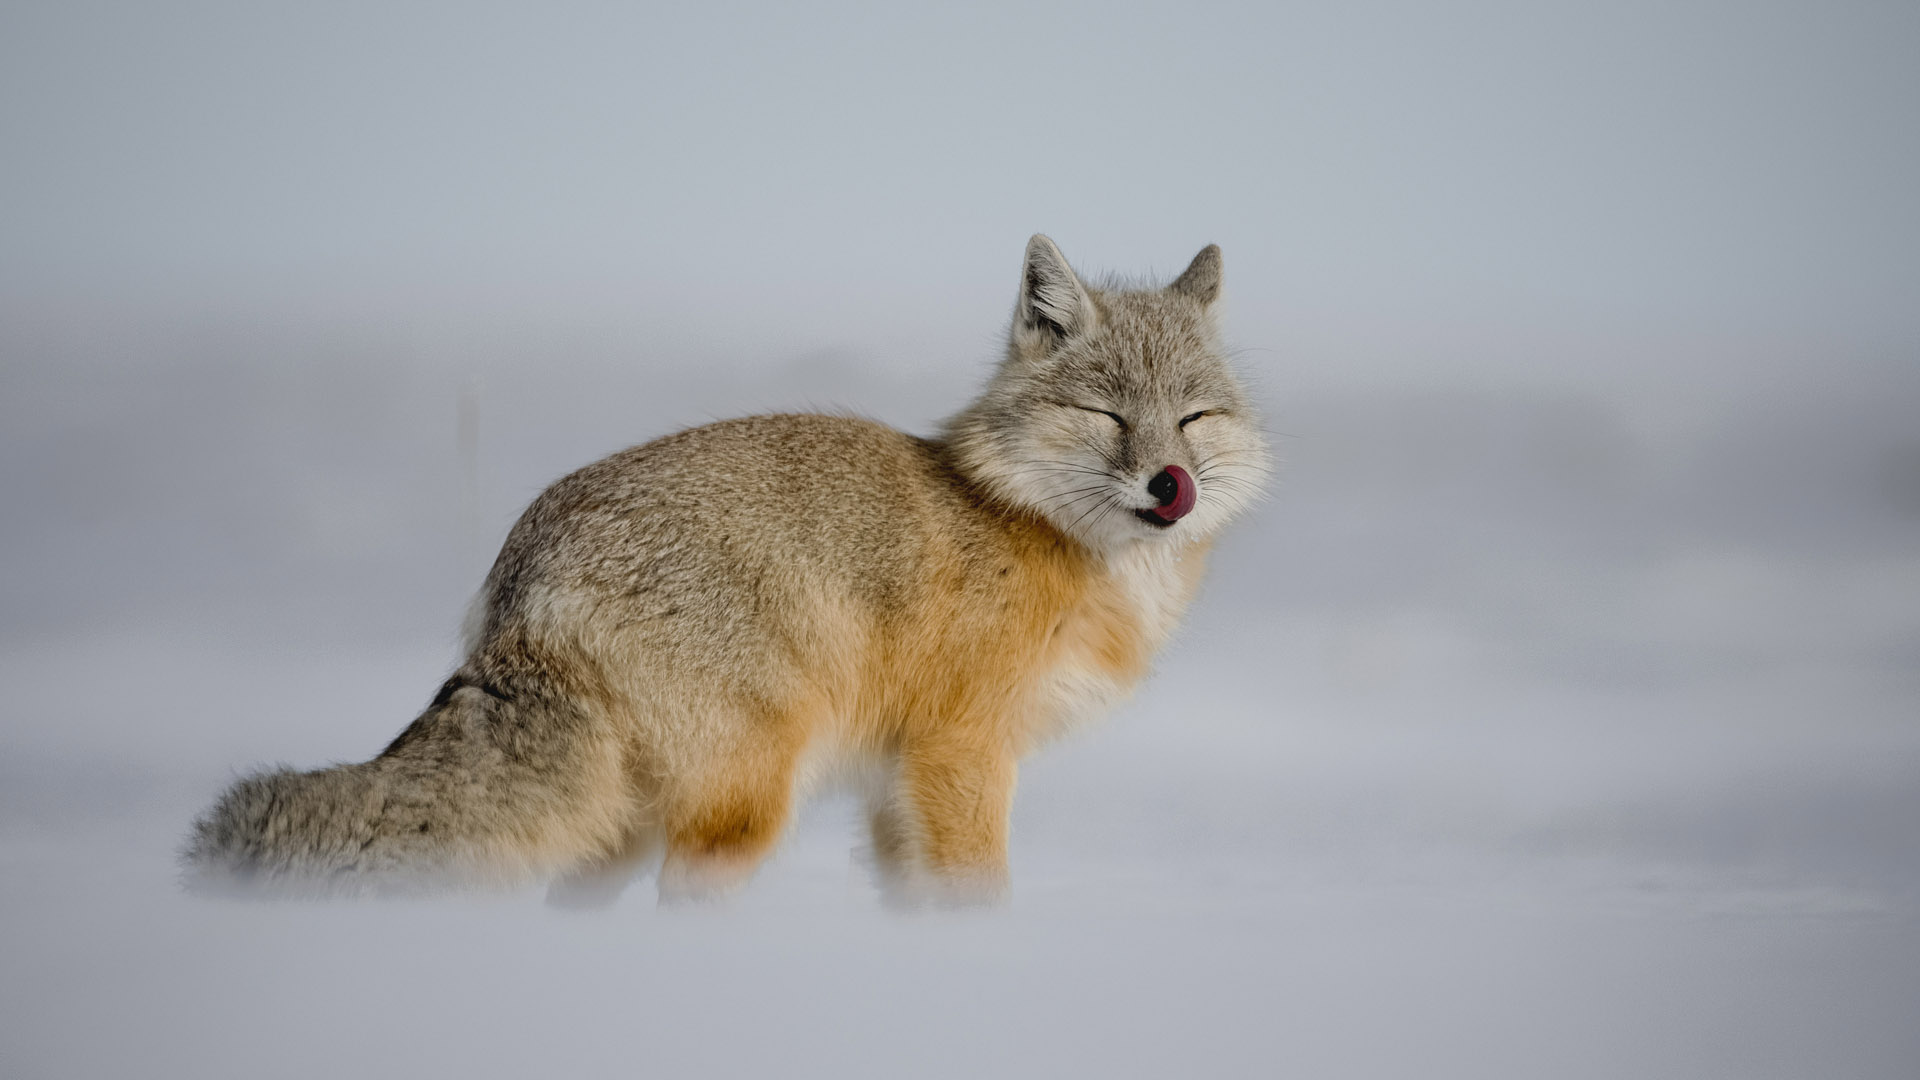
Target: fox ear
{"type": "Point", "coordinates": [1201, 281]}
{"type": "Point", "coordinates": [1053, 304]}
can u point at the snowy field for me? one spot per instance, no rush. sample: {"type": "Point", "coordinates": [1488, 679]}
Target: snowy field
{"type": "Point", "coordinates": [1556, 717]}
{"type": "Point", "coordinates": [1235, 878]}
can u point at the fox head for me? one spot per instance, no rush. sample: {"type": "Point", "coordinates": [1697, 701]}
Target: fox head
{"type": "Point", "coordinates": [1115, 415]}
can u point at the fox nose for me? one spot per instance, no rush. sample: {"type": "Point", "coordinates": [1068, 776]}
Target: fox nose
{"type": "Point", "coordinates": [1176, 492]}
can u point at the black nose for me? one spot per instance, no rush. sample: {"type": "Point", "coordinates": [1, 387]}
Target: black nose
{"type": "Point", "coordinates": [1164, 487]}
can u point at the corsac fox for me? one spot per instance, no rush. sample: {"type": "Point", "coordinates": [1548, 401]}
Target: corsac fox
{"type": "Point", "coordinates": [679, 640]}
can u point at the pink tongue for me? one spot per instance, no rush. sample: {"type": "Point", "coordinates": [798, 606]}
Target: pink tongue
{"type": "Point", "coordinates": [1184, 494]}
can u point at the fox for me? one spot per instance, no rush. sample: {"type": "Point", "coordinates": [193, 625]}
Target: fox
{"type": "Point", "coordinates": [676, 644]}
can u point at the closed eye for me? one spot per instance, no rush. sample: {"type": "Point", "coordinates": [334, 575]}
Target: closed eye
{"type": "Point", "coordinates": [1113, 416]}
{"type": "Point", "coordinates": [1185, 420]}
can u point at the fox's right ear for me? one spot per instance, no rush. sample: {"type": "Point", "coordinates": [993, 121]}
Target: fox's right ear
{"type": "Point", "coordinates": [1053, 304]}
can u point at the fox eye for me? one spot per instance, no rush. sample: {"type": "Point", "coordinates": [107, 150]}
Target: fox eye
{"type": "Point", "coordinates": [1185, 420]}
{"type": "Point", "coordinates": [1113, 416]}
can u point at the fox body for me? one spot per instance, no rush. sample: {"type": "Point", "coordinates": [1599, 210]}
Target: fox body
{"type": "Point", "coordinates": [678, 640]}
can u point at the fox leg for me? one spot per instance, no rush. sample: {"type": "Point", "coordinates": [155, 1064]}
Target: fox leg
{"type": "Point", "coordinates": [721, 826]}
{"type": "Point", "coordinates": [890, 849]}
{"type": "Point", "coordinates": [957, 796]}
{"type": "Point", "coordinates": [891, 836]}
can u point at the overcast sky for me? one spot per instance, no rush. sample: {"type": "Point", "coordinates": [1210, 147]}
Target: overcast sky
{"type": "Point", "coordinates": [1741, 168]}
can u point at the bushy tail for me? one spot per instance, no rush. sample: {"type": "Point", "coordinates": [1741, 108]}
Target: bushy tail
{"type": "Point", "coordinates": [493, 781]}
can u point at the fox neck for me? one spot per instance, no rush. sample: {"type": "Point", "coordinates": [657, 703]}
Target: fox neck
{"type": "Point", "coordinates": [973, 444]}
{"type": "Point", "coordinates": [1158, 581]}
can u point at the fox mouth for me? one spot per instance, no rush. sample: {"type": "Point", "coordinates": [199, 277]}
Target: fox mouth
{"type": "Point", "coordinates": [1176, 492]}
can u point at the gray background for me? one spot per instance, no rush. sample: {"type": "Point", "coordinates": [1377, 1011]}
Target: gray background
{"type": "Point", "coordinates": [1556, 716]}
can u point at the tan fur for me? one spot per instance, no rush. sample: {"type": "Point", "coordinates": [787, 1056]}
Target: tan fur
{"type": "Point", "coordinates": [677, 639]}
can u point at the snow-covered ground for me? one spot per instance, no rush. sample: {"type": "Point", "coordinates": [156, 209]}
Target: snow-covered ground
{"type": "Point", "coordinates": [1229, 880]}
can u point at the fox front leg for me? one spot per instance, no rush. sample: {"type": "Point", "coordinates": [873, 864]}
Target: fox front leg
{"type": "Point", "coordinates": [955, 800]}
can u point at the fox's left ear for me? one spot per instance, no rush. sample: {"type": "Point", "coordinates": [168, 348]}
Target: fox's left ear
{"type": "Point", "coordinates": [1201, 281]}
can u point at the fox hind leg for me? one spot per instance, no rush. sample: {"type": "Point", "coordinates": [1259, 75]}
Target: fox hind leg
{"type": "Point", "coordinates": [722, 825]}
